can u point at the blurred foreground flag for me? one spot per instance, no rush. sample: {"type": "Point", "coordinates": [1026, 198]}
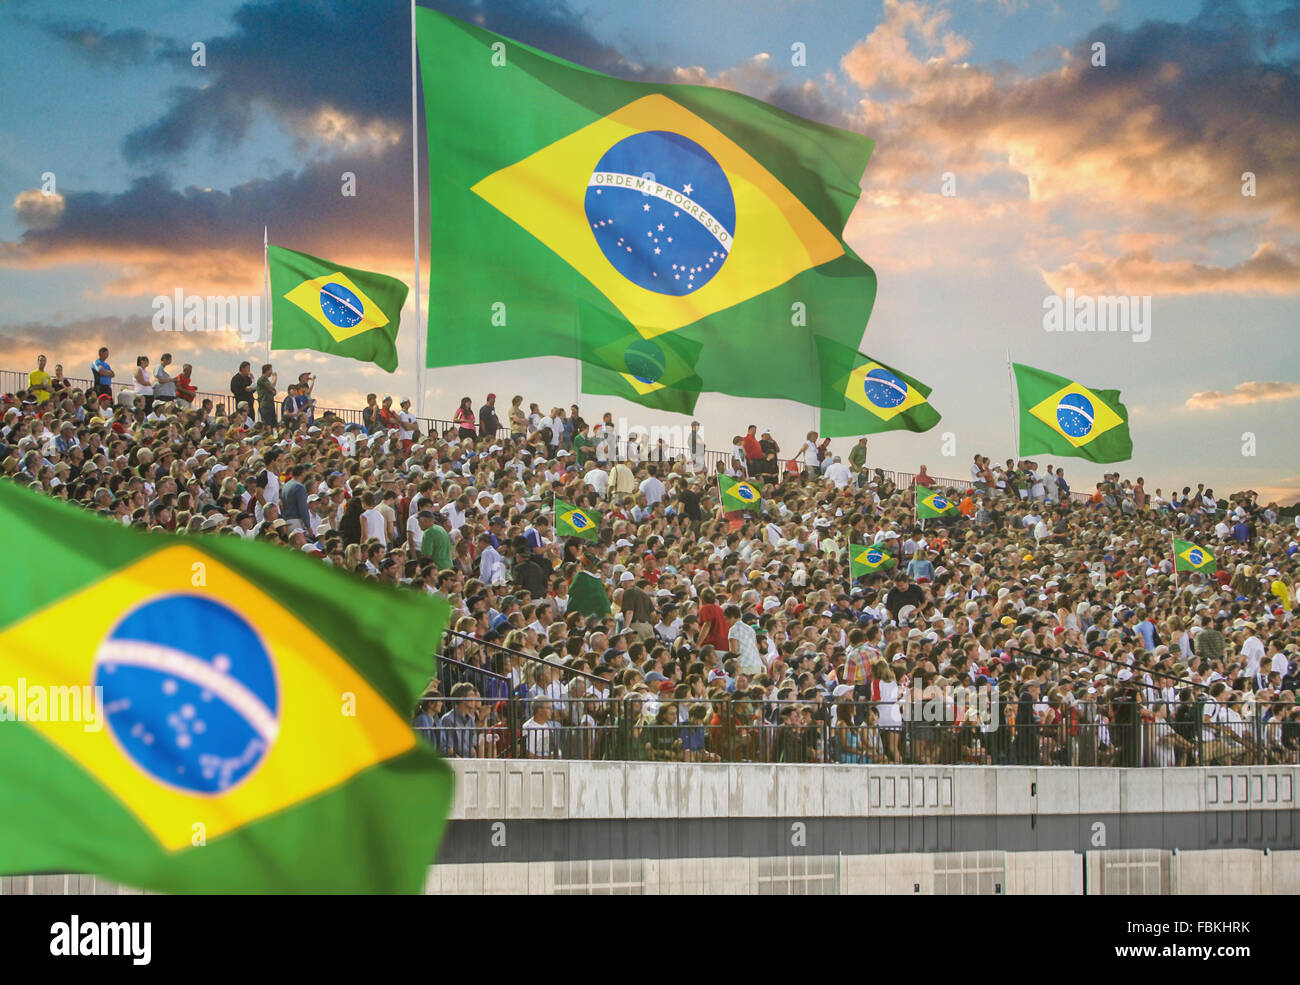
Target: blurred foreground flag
{"type": "Point", "coordinates": [668, 208]}
{"type": "Point", "coordinates": [1061, 417]}
{"type": "Point", "coordinates": [316, 304]}
{"type": "Point", "coordinates": [204, 714]}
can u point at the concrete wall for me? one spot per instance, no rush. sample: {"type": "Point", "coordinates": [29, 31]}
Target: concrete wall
{"type": "Point", "coordinates": [525, 789]}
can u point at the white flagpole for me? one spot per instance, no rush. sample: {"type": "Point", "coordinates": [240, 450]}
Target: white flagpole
{"type": "Point", "coordinates": [266, 290]}
{"type": "Point", "coordinates": [415, 208]}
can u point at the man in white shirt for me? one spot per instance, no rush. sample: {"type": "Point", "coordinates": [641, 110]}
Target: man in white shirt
{"type": "Point", "coordinates": [652, 489]}
{"type": "Point", "coordinates": [597, 478]}
{"type": "Point", "coordinates": [1252, 648]}
{"type": "Point", "coordinates": [492, 566]}
{"type": "Point", "coordinates": [743, 642]}
{"type": "Point", "coordinates": [838, 473]}
{"type": "Point", "coordinates": [374, 525]}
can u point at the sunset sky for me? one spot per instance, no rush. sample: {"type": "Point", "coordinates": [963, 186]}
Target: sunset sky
{"type": "Point", "coordinates": [1122, 179]}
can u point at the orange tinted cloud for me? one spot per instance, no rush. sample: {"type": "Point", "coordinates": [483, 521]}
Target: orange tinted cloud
{"type": "Point", "coordinates": [1243, 394]}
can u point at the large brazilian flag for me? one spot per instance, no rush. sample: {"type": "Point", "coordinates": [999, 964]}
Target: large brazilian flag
{"type": "Point", "coordinates": [205, 714]}
{"type": "Point", "coordinates": [1062, 417]}
{"type": "Point", "coordinates": [570, 210]}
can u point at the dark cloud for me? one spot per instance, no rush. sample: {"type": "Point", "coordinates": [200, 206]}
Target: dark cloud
{"type": "Point", "coordinates": [296, 58]}
{"type": "Point", "coordinates": [92, 41]}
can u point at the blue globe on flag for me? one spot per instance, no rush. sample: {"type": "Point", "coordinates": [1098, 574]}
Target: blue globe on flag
{"type": "Point", "coordinates": [883, 389]}
{"type": "Point", "coordinates": [662, 211]}
{"type": "Point", "coordinates": [190, 692]}
{"type": "Point", "coordinates": [1196, 556]}
{"type": "Point", "coordinates": [578, 520]}
{"type": "Point", "coordinates": [1075, 415]}
{"type": "Point", "coordinates": [341, 306]}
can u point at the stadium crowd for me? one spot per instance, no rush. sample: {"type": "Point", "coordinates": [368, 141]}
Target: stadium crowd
{"type": "Point", "coordinates": [1038, 626]}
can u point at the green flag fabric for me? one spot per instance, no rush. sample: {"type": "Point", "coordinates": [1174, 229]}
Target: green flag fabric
{"type": "Point", "coordinates": [867, 559]}
{"type": "Point", "coordinates": [931, 504]}
{"type": "Point", "coordinates": [874, 397]}
{"type": "Point", "coordinates": [1061, 417]}
{"type": "Point", "coordinates": [587, 596]}
{"type": "Point", "coordinates": [318, 304]}
{"type": "Point", "coordinates": [226, 717]}
{"type": "Point", "coordinates": [560, 196]}
{"type": "Point", "coordinates": [739, 494]}
{"type": "Point", "coordinates": [658, 372]}
{"type": "Point", "coordinates": [1193, 557]}
{"type": "Point", "coordinates": [574, 521]}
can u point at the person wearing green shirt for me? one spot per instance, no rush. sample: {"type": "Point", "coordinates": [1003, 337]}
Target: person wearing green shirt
{"type": "Point", "coordinates": [858, 455]}
{"type": "Point", "coordinates": [583, 445]}
{"type": "Point", "coordinates": [436, 542]}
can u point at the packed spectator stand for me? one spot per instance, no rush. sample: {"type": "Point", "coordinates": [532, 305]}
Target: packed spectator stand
{"type": "Point", "coordinates": [1042, 626]}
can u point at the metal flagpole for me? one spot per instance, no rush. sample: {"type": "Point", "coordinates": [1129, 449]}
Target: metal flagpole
{"type": "Point", "coordinates": [415, 210]}
{"type": "Point", "coordinates": [1015, 416]}
{"type": "Point", "coordinates": [266, 291]}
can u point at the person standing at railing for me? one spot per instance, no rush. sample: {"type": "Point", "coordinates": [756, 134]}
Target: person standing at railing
{"type": "Point", "coordinates": [143, 380]}
{"type": "Point", "coordinates": [185, 389]}
{"type": "Point", "coordinates": [464, 419]}
{"type": "Point", "coordinates": [102, 373]}
{"type": "Point", "coordinates": [39, 388]}
{"type": "Point", "coordinates": [241, 388]}
{"type": "Point", "coordinates": [266, 395]}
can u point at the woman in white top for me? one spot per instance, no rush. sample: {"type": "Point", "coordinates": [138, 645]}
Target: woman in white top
{"type": "Point", "coordinates": [808, 454]}
{"type": "Point", "coordinates": [144, 382]}
{"type": "Point", "coordinates": [890, 717]}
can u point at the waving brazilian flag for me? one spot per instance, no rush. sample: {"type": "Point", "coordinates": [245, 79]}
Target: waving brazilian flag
{"type": "Point", "coordinates": [321, 305]}
{"type": "Point", "coordinates": [573, 521]}
{"type": "Point", "coordinates": [1193, 557]}
{"type": "Point", "coordinates": [738, 494]}
{"type": "Point", "coordinates": [673, 209]}
{"type": "Point", "coordinates": [930, 504]}
{"type": "Point", "coordinates": [1061, 417]}
{"type": "Point", "coordinates": [866, 559]}
{"type": "Point", "coordinates": [231, 716]}
{"type": "Point", "coordinates": [658, 372]}
{"type": "Point", "coordinates": [875, 397]}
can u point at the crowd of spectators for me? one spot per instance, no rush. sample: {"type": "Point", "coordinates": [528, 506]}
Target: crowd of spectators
{"type": "Point", "coordinates": [1040, 625]}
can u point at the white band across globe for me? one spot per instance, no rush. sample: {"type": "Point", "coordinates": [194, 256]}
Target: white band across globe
{"type": "Point", "coordinates": [135, 653]}
{"type": "Point", "coordinates": [650, 187]}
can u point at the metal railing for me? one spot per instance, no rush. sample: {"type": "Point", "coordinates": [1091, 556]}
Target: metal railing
{"type": "Point", "coordinates": [567, 723]}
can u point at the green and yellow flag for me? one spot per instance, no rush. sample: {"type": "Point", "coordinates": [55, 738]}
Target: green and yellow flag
{"type": "Point", "coordinates": [226, 717]}
{"type": "Point", "coordinates": [930, 504]}
{"type": "Point", "coordinates": [669, 209]}
{"type": "Point", "coordinates": [875, 397]}
{"type": "Point", "coordinates": [1061, 417]}
{"type": "Point", "coordinates": [321, 305]}
{"type": "Point", "coordinates": [739, 494]}
{"type": "Point", "coordinates": [1193, 557]}
{"type": "Point", "coordinates": [867, 559]}
{"type": "Point", "coordinates": [657, 372]}
{"type": "Point", "coordinates": [573, 521]}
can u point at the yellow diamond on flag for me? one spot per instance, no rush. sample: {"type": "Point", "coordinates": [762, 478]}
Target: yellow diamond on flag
{"type": "Point", "coordinates": [1197, 557]}
{"type": "Point", "coordinates": [775, 238]}
{"type": "Point", "coordinates": [338, 305]}
{"type": "Point", "coordinates": [1088, 416]}
{"type": "Point", "coordinates": [167, 700]}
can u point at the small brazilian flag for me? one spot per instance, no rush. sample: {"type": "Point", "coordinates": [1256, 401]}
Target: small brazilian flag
{"type": "Point", "coordinates": [231, 716]}
{"type": "Point", "coordinates": [866, 559]}
{"type": "Point", "coordinates": [572, 521]}
{"type": "Point", "coordinates": [875, 397]}
{"type": "Point", "coordinates": [1193, 557]}
{"type": "Point", "coordinates": [674, 209]}
{"type": "Point", "coordinates": [587, 596]}
{"type": "Point", "coordinates": [930, 504]}
{"type": "Point", "coordinates": [1061, 417]}
{"type": "Point", "coordinates": [737, 494]}
{"type": "Point", "coordinates": [320, 305]}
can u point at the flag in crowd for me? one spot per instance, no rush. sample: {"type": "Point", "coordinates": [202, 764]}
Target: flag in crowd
{"type": "Point", "coordinates": [317, 304]}
{"type": "Point", "coordinates": [1061, 417]}
{"type": "Point", "coordinates": [874, 397]}
{"type": "Point", "coordinates": [866, 559]}
{"type": "Point", "coordinates": [932, 504]}
{"type": "Point", "coordinates": [573, 521]}
{"type": "Point", "coordinates": [737, 494]}
{"type": "Point", "coordinates": [587, 596]}
{"type": "Point", "coordinates": [1192, 557]}
{"type": "Point", "coordinates": [219, 757]}
{"type": "Point", "coordinates": [562, 195]}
